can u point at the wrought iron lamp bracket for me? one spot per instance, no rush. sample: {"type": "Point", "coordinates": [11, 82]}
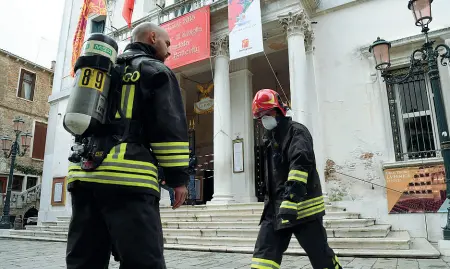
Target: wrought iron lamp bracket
{"type": "Point", "coordinates": [15, 146]}
{"type": "Point", "coordinates": [417, 59]}
{"type": "Point", "coordinates": [443, 51]}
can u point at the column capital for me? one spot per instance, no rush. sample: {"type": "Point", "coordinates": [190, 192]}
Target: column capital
{"type": "Point", "coordinates": [309, 38]}
{"type": "Point", "coordinates": [296, 23]}
{"type": "Point", "coordinates": [219, 46]}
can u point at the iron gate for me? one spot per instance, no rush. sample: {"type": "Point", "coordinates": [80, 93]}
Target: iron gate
{"type": "Point", "coordinates": [260, 188]}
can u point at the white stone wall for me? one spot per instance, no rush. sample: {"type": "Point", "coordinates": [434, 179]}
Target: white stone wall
{"type": "Point", "coordinates": [355, 114]}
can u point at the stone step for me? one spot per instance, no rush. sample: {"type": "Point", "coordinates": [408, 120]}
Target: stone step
{"type": "Point", "coordinates": [232, 208]}
{"type": "Point", "coordinates": [49, 228]}
{"type": "Point", "coordinates": [420, 248]}
{"type": "Point", "coordinates": [370, 231]}
{"type": "Point", "coordinates": [227, 216]}
{"type": "Point", "coordinates": [344, 223]}
{"type": "Point", "coordinates": [394, 241]}
{"type": "Point", "coordinates": [379, 231]}
{"type": "Point", "coordinates": [244, 238]}
{"type": "Point", "coordinates": [39, 234]}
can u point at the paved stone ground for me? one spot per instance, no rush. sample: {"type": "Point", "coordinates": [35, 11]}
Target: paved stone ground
{"type": "Point", "coordinates": [16, 254]}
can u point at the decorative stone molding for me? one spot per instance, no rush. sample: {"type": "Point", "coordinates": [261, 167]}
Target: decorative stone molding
{"type": "Point", "coordinates": [219, 47]}
{"type": "Point", "coordinates": [309, 39]}
{"type": "Point", "coordinates": [296, 23]}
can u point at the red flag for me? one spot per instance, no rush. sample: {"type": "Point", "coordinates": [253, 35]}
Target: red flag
{"type": "Point", "coordinates": [127, 11]}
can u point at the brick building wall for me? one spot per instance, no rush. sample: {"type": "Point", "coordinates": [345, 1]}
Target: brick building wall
{"type": "Point", "coordinates": [31, 111]}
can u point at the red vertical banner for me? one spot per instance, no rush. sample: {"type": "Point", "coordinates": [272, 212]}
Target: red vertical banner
{"type": "Point", "coordinates": [189, 37]}
{"type": "Point", "coordinates": [89, 7]}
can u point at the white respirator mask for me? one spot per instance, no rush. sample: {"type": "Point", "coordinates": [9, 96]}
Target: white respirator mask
{"type": "Point", "coordinates": [269, 122]}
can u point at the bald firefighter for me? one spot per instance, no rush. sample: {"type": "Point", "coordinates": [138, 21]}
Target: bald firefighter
{"type": "Point", "coordinates": [115, 197]}
{"type": "Point", "coordinates": [294, 203]}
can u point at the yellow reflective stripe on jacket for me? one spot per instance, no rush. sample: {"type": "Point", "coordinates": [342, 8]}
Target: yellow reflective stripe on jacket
{"type": "Point", "coordinates": [171, 154]}
{"type": "Point", "coordinates": [127, 101]}
{"type": "Point", "coordinates": [302, 205]}
{"type": "Point", "coordinates": [298, 176]}
{"type": "Point", "coordinates": [170, 147]}
{"type": "Point", "coordinates": [264, 264]}
{"type": "Point", "coordinates": [173, 160]}
{"type": "Point", "coordinates": [311, 211]}
{"type": "Point", "coordinates": [122, 167]}
{"type": "Point", "coordinates": [114, 178]}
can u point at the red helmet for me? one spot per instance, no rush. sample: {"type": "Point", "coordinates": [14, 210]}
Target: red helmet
{"type": "Point", "coordinates": [267, 100]}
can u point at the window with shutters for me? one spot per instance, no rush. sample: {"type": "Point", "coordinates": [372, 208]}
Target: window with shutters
{"type": "Point", "coordinates": [27, 83]}
{"type": "Point", "coordinates": [98, 26]}
{"type": "Point", "coordinates": [413, 119]}
{"type": "Point", "coordinates": [39, 136]}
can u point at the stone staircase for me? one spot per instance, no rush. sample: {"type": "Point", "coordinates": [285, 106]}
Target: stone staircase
{"type": "Point", "coordinates": [234, 228]}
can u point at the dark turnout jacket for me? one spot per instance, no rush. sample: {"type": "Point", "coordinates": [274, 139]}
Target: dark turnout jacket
{"type": "Point", "coordinates": [290, 156]}
{"type": "Point", "coordinates": [151, 98]}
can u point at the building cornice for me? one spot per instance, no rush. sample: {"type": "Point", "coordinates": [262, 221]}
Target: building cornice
{"type": "Point", "coordinates": [441, 33]}
{"type": "Point", "coordinates": [18, 58]}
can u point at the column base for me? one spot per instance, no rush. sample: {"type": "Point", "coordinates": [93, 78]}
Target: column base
{"type": "Point", "coordinates": [221, 200]}
{"type": "Point", "coordinates": [245, 199]}
{"type": "Point", "coordinates": [444, 247]}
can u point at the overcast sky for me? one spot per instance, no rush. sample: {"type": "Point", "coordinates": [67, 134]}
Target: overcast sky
{"type": "Point", "coordinates": [30, 28]}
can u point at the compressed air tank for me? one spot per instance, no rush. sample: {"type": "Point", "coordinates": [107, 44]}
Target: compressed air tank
{"type": "Point", "coordinates": [88, 101]}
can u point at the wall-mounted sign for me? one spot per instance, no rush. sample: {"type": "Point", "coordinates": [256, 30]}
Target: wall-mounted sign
{"type": "Point", "coordinates": [415, 189]}
{"type": "Point", "coordinates": [206, 103]}
{"type": "Point", "coordinates": [190, 38]}
{"type": "Point", "coordinates": [244, 23]}
{"type": "Point", "coordinates": [59, 191]}
{"type": "Point", "coordinates": [238, 155]}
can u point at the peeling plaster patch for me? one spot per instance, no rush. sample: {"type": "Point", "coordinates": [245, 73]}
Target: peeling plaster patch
{"type": "Point", "coordinates": [360, 164]}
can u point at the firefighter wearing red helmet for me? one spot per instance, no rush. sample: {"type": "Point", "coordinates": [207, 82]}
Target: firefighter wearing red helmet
{"type": "Point", "coordinates": [294, 203]}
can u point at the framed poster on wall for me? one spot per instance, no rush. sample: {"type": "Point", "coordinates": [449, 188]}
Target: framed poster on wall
{"type": "Point", "coordinates": [417, 189]}
{"type": "Point", "coordinates": [238, 155]}
{"type": "Point", "coordinates": [58, 191]}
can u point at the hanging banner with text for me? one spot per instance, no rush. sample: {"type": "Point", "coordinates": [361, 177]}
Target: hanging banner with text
{"type": "Point", "coordinates": [189, 37]}
{"type": "Point", "coordinates": [244, 23]}
{"type": "Point", "coordinates": [419, 189]}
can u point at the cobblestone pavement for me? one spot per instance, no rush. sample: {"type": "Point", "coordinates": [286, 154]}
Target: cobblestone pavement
{"type": "Point", "coordinates": [50, 255]}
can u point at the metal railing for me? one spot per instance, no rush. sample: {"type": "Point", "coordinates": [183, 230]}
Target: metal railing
{"type": "Point", "coordinates": [20, 199]}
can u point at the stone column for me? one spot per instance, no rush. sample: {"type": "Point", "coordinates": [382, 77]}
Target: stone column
{"type": "Point", "coordinates": [222, 123]}
{"type": "Point", "coordinates": [305, 101]}
{"type": "Point", "coordinates": [242, 126]}
{"type": "Point", "coordinates": [297, 27]}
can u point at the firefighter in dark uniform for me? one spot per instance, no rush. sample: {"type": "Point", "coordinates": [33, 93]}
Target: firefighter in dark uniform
{"type": "Point", "coordinates": [294, 203]}
{"type": "Point", "coordinates": [116, 206]}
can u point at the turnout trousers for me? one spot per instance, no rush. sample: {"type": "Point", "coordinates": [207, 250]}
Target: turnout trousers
{"type": "Point", "coordinates": [312, 237]}
{"type": "Point", "coordinates": [104, 220]}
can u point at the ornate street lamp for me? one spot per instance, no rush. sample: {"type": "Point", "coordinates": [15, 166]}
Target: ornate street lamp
{"type": "Point", "coordinates": [421, 10]}
{"type": "Point", "coordinates": [425, 55]}
{"type": "Point", "coordinates": [12, 149]}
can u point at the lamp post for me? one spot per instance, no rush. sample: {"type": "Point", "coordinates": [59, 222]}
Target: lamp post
{"type": "Point", "coordinates": [12, 149]}
{"type": "Point", "coordinates": [429, 55]}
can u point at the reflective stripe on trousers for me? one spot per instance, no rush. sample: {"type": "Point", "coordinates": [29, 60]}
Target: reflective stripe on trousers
{"type": "Point", "coordinates": [259, 263]}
